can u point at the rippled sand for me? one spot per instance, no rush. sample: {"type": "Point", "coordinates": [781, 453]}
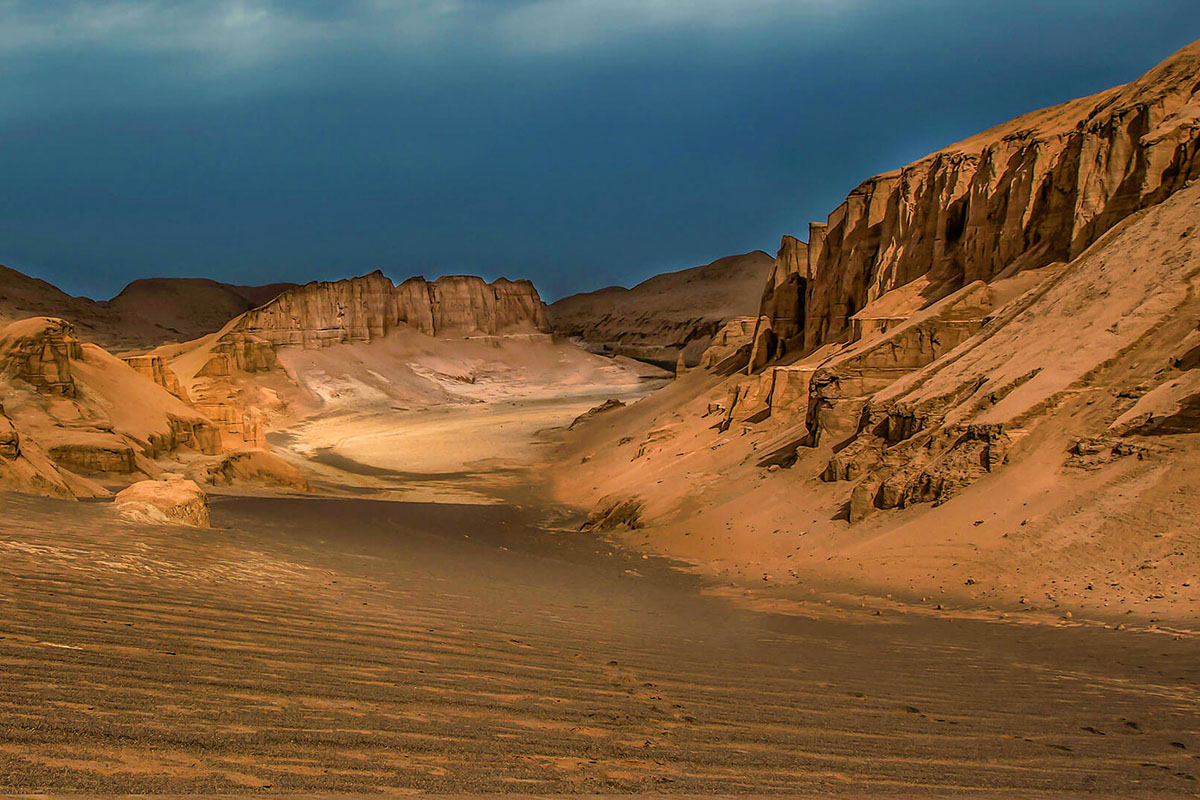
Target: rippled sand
{"type": "Point", "coordinates": [358, 646]}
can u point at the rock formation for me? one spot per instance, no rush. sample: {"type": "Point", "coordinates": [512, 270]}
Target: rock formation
{"type": "Point", "coordinates": [780, 326]}
{"type": "Point", "coordinates": [965, 333]}
{"type": "Point", "coordinates": [72, 407]}
{"type": "Point", "coordinates": [175, 501]}
{"type": "Point", "coordinates": [923, 271]}
{"type": "Point", "coordinates": [217, 372]}
{"type": "Point", "coordinates": [155, 368]}
{"type": "Point", "coordinates": [668, 317]}
{"type": "Point", "coordinates": [145, 314]}
{"type": "Point", "coordinates": [1037, 190]}
{"type": "Point", "coordinates": [364, 309]}
{"type": "Point", "coordinates": [257, 467]}
{"type": "Point", "coordinates": [39, 351]}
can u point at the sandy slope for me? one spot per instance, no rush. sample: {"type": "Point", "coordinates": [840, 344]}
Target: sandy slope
{"type": "Point", "coordinates": [401, 411]}
{"type": "Point", "coordinates": [1047, 532]}
{"type": "Point", "coordinates": [1024, 442]}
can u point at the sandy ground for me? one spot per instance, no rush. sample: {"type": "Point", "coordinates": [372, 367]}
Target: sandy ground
{"type": "Point", "coordinates": [378, 641]}
{"type": "Point", "coordinates": [358, 645]}
{"type": "Point", "coordinates": [475, 453]}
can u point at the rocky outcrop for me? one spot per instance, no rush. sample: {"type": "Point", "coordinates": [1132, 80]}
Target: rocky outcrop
{"type": "Point", "coordinates": [10, 439]}
{"type": "Point", "coordinates": [729, 350]}
{"type": "Point", "coordinates": [1037, 190]}
{"type": "Point", "coordinates": [364, 309]}
{"type": "Point", "coordinates": [840, 388]}
{"type": "Point", "coordinates": [613, 512]}
{"type": "Point", "coordinates": [111, 456]}
{"type": "Point", "coordinates": [175, 501]}
{"type": "Point", "coordinates": [780, 326]}
{"type": "Point", "coordinates": [38, 351]}
{"type": "Point", "coordinates": [155, 368]}
{"type": "Point", "coordinates": [612, 404]}
{"type": "Point", "coordinates": [669, 319]}
{"type": "Point", "coordinates": [255, 466]}
{"type": "Point", "coordinates": [240, 352]}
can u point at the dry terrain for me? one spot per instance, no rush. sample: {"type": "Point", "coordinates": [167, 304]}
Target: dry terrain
{"type": "Point", "coordinates": [356, 645]}
{"type": "Point", "coordinates": [667, 317]}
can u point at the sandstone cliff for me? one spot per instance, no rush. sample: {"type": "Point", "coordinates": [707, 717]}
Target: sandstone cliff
{"type": "Point", "coordinates": [668, 316]}
{"type": "Point", "coordinates": [986, 363]}
{"type": "Point", "coordinates": [71, 407]}
{"type": "Point", "coordinates": [363, 309]}
{"type": "Point", "coordinates": [235, 377]}
{"type": "Point", "coordinates": [1037, 190]}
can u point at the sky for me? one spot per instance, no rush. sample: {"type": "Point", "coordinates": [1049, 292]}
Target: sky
{"type": "Point", "coordinates": [578, 143]}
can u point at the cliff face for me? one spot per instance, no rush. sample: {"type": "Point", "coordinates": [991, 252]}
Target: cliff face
{"type": "Point", "coordinates": [1036, 190]}
{"type": "Point", "coordinates": [669, 319]}
{"type": "Point", "coordinates": [362, 309]}
{"type": "Point", "coordinates": [992, 373]}
{"type": "Point", "coordinates": [780, 327]}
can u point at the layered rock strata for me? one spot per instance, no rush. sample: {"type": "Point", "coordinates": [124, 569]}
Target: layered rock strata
{"type": "Point", "coordinates": [364, 309]}
{"type": "Point", "coordinates": [945, 307]}
{"type": "Point", "coordinates": [1037, 190]}
{"type": "Point", "coordinates": [39, 351]}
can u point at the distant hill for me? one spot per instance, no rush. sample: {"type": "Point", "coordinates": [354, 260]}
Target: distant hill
{"type": "Point", "coordinates": [146, 313]}
{"type": "Point", "coordinates": [669, 314]}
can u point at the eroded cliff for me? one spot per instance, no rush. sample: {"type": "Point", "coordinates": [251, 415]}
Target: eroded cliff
{"type": "Point", "coordinates": [1036, 190]}
{"type": "Point", "coordinates": [982, 363]}
{"type": "Point", "coordinates": [363, 309]}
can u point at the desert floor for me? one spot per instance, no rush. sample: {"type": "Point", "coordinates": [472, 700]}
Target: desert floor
{"type": "Point", "coordinates": [357, 644]}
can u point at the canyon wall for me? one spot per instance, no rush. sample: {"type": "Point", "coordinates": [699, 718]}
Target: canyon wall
{"type": "Point", "coordinates": [1023, 303]}
{"type": "Point", "coordinates": [1037, 190]}
{"type": "Point", "coordinates": [363, 309]}
{"type": "Point", "coordinates": [972, 291]}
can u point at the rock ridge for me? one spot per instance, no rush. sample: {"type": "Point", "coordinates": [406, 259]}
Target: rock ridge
{"type": "Point", "coordinates": [362, 309]}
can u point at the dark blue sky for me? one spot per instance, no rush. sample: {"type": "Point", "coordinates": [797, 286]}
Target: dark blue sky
{"type": "Point", "coordinates": [580, 143]}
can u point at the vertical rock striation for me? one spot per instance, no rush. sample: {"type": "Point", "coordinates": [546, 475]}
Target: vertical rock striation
{"type": "Point", "coordinates": [1037, 190]}
{"type": "Point", "coordinates": [363, 309]}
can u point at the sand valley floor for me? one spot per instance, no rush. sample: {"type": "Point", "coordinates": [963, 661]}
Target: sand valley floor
{"type": "Point", "coordinates": [478, 648]}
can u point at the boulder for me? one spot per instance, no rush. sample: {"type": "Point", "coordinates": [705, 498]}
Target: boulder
{"type": "Point", "coordinates": [175, 501]}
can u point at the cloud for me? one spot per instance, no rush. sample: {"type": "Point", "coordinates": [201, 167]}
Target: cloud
{"type": "Point", "coordinates": [558, 25]}
{"type": "Point", "coordinates": [231, 29]}
{"type": "Point", "coordinates": [253, 31]}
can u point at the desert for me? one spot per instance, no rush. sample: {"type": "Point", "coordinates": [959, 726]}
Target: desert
{"type": "Point", "coordinates": [909, 508]}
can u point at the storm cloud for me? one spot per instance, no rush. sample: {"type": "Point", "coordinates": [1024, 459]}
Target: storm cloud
{"type": "Point", "coordinates": [576, 142]}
